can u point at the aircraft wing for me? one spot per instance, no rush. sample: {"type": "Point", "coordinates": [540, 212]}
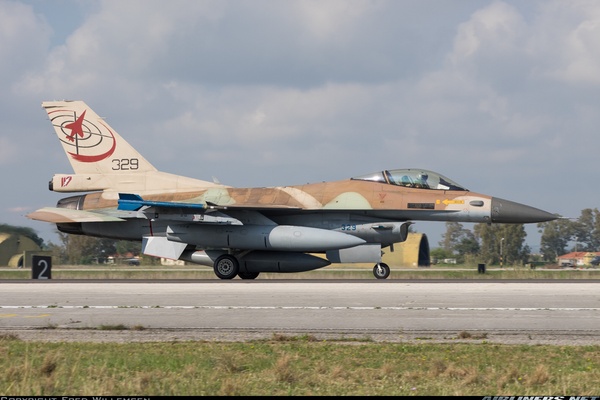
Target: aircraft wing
{"type": "Point", "coordinates": [66, 215]}
{"type": "Point", "coordinates": [133, 206]}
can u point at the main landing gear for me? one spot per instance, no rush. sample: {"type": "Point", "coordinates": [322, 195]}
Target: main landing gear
{"type": "Point", "coordinates": [228, 267]}
{"type": "Point", "coordinates": [381, 271]}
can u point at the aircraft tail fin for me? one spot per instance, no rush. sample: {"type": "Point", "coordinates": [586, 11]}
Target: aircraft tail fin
{"type": "Point", "coordinates": [102, 159]}
{"type": "Point", "coordinates": [91, 145]}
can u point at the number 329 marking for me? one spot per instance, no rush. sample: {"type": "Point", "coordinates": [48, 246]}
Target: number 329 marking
{"type": "Point", "coordinates": [125, 164]}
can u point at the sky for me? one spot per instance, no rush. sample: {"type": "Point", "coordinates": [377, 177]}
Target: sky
{"type": "Point", "coordinates": [502, 97]}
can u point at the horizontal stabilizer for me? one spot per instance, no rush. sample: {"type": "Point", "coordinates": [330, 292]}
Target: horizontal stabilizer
{"type": "Point", "coordinates": [66, 215]}
{"type": "Point", "coordinates": [133, 202]}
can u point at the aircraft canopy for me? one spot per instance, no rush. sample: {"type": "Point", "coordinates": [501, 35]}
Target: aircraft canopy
{"type": "Point", "coordinates": [416, 178]}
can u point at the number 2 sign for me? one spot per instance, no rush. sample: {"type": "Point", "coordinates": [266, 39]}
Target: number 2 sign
{"type": "Point", "coordinates": [41, 267]}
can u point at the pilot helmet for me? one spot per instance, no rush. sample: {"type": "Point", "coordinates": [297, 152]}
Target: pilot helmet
{"type": "Point", "coordinates": [422, 176]}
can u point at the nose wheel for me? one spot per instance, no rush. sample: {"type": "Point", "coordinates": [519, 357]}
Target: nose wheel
{"type": "Point", "coordinates": [381, 271]}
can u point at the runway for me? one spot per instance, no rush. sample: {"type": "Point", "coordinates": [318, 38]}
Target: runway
{"type": "Point", "coordinates": [566, 313]}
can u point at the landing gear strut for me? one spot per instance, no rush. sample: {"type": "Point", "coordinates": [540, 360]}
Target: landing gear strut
{"type": "Point", "coordinates": [381, 271]}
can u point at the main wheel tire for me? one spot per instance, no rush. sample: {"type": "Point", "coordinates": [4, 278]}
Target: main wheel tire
{"type": "Point", "coordinates": [248, 275]}
{"type": "Point", "coordinates": [226, 267]}
{"type": "Point", "coordinates": [381, 271]}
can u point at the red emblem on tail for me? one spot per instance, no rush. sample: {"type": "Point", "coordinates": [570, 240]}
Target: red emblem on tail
{"type": "Point", "coordinates": [76, 127]}
{"type": "Point", "coordinates": [91, 140]}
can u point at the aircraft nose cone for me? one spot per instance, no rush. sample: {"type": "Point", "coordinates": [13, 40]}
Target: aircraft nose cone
{"type": "Point", "coordinates": [506, 211]}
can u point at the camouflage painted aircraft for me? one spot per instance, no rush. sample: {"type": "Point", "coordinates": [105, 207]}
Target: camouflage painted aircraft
{"type": "Point", "coordinates": [245, 231]}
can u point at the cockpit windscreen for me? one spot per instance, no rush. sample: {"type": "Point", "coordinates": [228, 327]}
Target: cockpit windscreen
{"type": "Point", "coordinates": [415, 178]}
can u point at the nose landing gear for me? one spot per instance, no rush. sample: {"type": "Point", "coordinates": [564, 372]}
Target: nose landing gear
{"type": "Point", "coordinates": [381, 271]}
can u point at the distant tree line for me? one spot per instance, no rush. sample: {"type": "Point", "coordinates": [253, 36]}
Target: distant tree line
{"type": "Point", "coordinates": [564, 235]}
{"type": "Point", "coordinates": [486, 243]}
{"type": "Point", "coordinates": [77, 249]}
{"type": "Point", "coordinates": [80, 249]}
{"type": "Point", "coordinates": [505, 243]}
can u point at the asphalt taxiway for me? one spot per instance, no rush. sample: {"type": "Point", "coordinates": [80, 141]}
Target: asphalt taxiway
{"type": "Point", "coordinates": [566, 312]}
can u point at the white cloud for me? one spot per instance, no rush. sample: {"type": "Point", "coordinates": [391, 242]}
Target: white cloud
{"type": "Point", "coordinates": [566, 41]}
{"type": "Point", "coordinates": [489, 30]}
{"type": "Point", "coordinates": [583, 52]}
{"type": "Point", "coordinates": [334, 20]}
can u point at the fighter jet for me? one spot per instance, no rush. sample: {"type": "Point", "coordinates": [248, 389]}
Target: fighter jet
{"type": "Point", "coordinates": [245, 231]}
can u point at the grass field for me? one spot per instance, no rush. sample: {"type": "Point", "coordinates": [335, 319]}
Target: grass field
{"type": "Point", "coordinates": [296, 366]}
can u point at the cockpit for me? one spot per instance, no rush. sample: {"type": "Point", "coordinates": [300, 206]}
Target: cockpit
{"type": "Point", "coordinates": [414, 178]}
